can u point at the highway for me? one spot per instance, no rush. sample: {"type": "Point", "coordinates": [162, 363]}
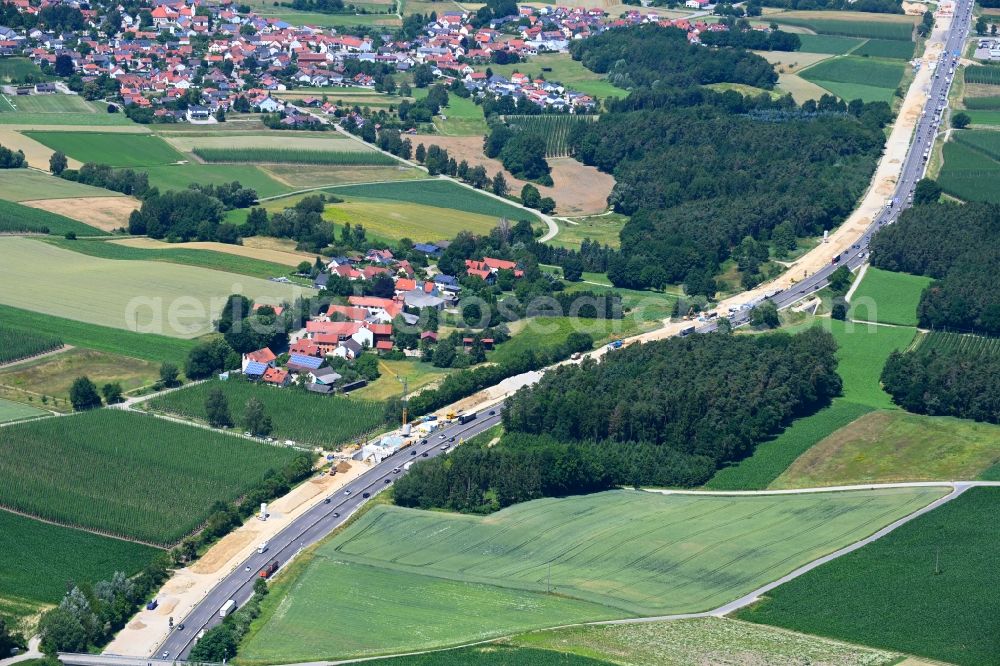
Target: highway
{"type": "Point", "coordinates": [309, 528]}
{"type": "Point", "coordinates": [913, 170]}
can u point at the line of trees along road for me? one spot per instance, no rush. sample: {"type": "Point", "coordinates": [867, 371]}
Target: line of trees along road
{"type": "Point", "coordinates": [664, 413]}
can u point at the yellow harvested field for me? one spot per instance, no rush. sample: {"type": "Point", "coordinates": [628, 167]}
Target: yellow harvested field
{"type": "Point", "coordinates": [276, 256]}
{"type": "Point", "coordinates": [329, 141]}
{"type": "Point", "coordinates": [105, 213]}
{"type": "Point", "coordinates": [788, 64]}
{"type": "Point", "coordinates": [303, 176]}
{"type": "Point", "coordinates": [862, 17]}
{"type": "Point", "coordinates": [43, 127]}
{"type": "Point", "coordinates": [36, 153]}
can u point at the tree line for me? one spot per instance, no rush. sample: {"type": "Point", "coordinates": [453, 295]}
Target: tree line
{"type": "Point", "coordinates": [667, 413]}
{"type": "Point", "coordinates": [945, 382]}
{"type": "Point", "coordinates": [956, 245]}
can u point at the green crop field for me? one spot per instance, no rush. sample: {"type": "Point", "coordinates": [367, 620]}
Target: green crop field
{"type": "Point", "coordinates": [886, 48]}
{"type": "Point", "coordinates": [831, 44]}
{"type": "Point", "coordinates": [987, 118]}
{"type": "Point", "coordinates": [15, 344]}
{"type": "Point", "coordinates": [895, 446]}
{"type": "Point", "coordinates": [39, 560]}
{"type": "Point", "coordinates": [143, 296]}
{"type": "Point", "coordinates": [989, 103]}
{"type": "Point", "coordinates": [871, 26]}
{"type": "Point", "coordinates": [127, 474]}
{"type": "Point", "coordinates": [862, 352]}
{"type": "Point", "coordinates": [774, 456]}
{"type": "Point", "coordinates": [15, 218]}
{"type": "Point", "coordinates": [151, 347]}
{"type": "Point", "coordinates": [392, 220]}
{"type": "Point", "coordinates": [439, 193]}
{"type": "Point", "coordinates": [928, 588]}
{"type": "Point", "coordinates": [220, 261]}
{"type": "Point", "coordinates": [968, 172]}
{"type": "Point", "coordinates": [493, 654]}
{"type": "Point", "coordinates": [113, 148]}
{"type": "Point", "coordinates": [969, 344]}
{"type": "Point", "coordinates": [555, 130]}
{"type": "Point", "coordinates": [297, 415]}
{"type": "Point", "coordinates": [562, 68]}
{"type": "Point", "coordinates": [852, 77]}
{"type": "Point", "coordinates": [887, 297]}
{"type": "Point", "coordinates": [180, 177]}
{"type": "Point", "coordinates": [701, 641]}
{"type": "Point", "coordinates": [28, 185]}
{"type": "Point", "coordinates": [983, 74]}
{"type": "Point", "coordinates": [15, 411]}
{"type": "Point", "coordinates": [49, 104]}
{"type": "Point", "coordinates": [401, 579]}
{"type": "Point", "coordinates": [295, 156]}
{"type": "Point", "coordinates": [15, 69]}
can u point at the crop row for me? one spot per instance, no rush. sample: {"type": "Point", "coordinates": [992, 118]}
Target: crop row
{"type": "Point", "coordinates": [964, 343]}
{"type": "Point", "coordinates": [555, 129]}
{"type": "Point", "coordinates": [983, 74]}
{"type": "Point", "coordinates": [294, 156]}
{"type": "Point", "coordinates": [991, 103]}
{"type": "Point", "coordinates": [872, 30]}
{"type": "Point", "coordinates": [983, 141]}
{"type": "Point", "coordinates": [17, 343]}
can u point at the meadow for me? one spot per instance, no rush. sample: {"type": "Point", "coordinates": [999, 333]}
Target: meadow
{"type": "Point", "coordinates": [141, 296]}
{"type": "Point", "coordinates": [555, 130]}
{"type": "Point", "coordinates": [181, 176]}
{"type": "Point", "coordinates": [439, 193]}
{"type": "Point", "coordinates": [604, 229]}
{"type": "Point", "coordinates": [861, 354]}
{"type": "Point", "coordinates": [39, 560]}
{"type": "Point", "coordinates": [113, 148]}
{"type": "Point", "coordinates": [220, 261]}
{"type": "Point", "coordinates": [886, 48]}
{"type": "Point", "coordinates": [895, 446]}
{"type": "Point", "coordinates": [709, 640]}
{"type": "Point", "coordinates": [986, 118]}
{"type": "Point", "coordinates": [852, 77]}
{"type": "Point", "coordinates": [462, 117]}
{"type": "Point", "coordinates": [850, 24]}
{"type": "Point", "coordinates": [562, 68]}
{"type": "Point", "coordinates": [49, 104]}
{"type": "Point", "coordinates": [393, 220]}
{"type": "Point", "coordinates": [417, 374]}
{"type": "Point", "coordinates": [401, 579]}
{"type": "Point", "coordinates": [928, 588]}
{"type": "Point", "coordinates": [297, 415]}
{"type": "Point", "coordinates": [538, 334]}
{"type": "Point", "coordinates": [17, 218]}
{"type": "Point", "coordinates": [28, 185]}
{"type": "Point", "coordinates": [15, 411]}
{"type": "Point", "coordinates": [969, 173]}
{"type": "Point", "coordinates": [771, 458]}
{"type": "Point", "coordinates": [127, 474]}
{"type": "Point", "coordinates": [15, 69]}
{"type": "Point", "coordinates": [887, 297]}
{"type": "Point", "coordinates": [148, 346]}
{"type": "Point", "coordinates": [294, 156]}
{"type": "Point", "coordinates": [15, 345]}
{"type": "Point", "coordinates": [831, 44]}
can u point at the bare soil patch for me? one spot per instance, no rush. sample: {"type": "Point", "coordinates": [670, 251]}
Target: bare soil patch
{"type": "Point", "coordinates": [274, 255]}
{"type": "Point", "coordinates": [221, 553]}
{"type": "Point", "coordinates": [105, 213]}
{"type": "Point", "coordinates": [577, 189]}
{"type": "Point", "coordinates": [914, 8]}
{"type": "Point", "coordinates": [36, 153]}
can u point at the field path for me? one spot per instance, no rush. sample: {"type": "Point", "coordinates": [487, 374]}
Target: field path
{"type": "Point", "coordinates": [58, 350]}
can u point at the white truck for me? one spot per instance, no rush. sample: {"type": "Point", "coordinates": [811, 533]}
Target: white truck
{"type": "Point", "coordinates": [262, 548]}
{"type": "Point", "coordinates": [227, 607]}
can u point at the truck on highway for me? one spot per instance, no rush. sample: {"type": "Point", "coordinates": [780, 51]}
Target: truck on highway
{"type": "Point", "coordinates": [262, 548]}
{"type": "Point", "coordinates": [465, 418]}
{"type": "Point", "coordinates": [269, 570]}
{"type": "Point", "coordinates": [227, 608]}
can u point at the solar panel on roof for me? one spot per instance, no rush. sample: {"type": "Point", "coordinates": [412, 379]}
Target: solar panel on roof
{"type": "Point", "coordinates": [255, 368]}
{"type": "Point", "coordinates": [310, 362]}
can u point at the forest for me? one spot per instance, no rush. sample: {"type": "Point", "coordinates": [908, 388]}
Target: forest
{"type": "Point", "coordinates": [956, 245]}
{"type": "Point", "coordinates": [699, 171]}
{"type": "Point", "coordinates": [664, 413]}
{"type": "Point", "coordinates": [945, 382]}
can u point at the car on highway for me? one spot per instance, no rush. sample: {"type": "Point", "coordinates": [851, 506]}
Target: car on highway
{"type": "Point", "coordinates": [423, 455]}
{"type": "Point", "coordinates": [493, 412]}
{"type": "Point", "coordinates": [413, 453]}
{"type": "Point", "coordinates": [165, 655]}
{"type": "Point", "coordinates": [395, 470]}
{"type": "Point", "coordinates": [451, 439]}
{"type": "Point", "coordinates": [347, 492]}
{"type": "Point", "coordinates": [326, 500]}
{"type": "Point", "coordinates": [388, 481]}
{"type": "Point", "coordinates": [442, 436]}
{"type": "Point", "coordinates": [367, 495]}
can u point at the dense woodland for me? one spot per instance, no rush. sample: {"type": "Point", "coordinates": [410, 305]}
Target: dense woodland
{"type": "Point", "coordinates": [700, 171]}
{"type": "Point", "coordinates": [945, 382]}
{"type": "Point", "coordinates": [664, 413]}
{"type": "Point", "coordinates": [956, 245]}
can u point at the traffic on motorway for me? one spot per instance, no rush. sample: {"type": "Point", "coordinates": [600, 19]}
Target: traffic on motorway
{"type": "Point", "coordinates": [309, 528]}
{"type": "Point", "coordinates": [334, 511]}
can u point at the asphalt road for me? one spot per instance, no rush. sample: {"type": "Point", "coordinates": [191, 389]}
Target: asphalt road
{"type": "Point", "coordinates": [913, 170]}
{"type": "Point", "coordinates": [309, 528]}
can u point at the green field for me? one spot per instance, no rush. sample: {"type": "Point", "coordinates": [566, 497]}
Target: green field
{"type": "Point", "coordinates": [401, 579]}
{"type": "Point", "coordinates": [986, 142]}
{"type": "Point", "coordinates": [889, 595]}
{"type": "Point", "coordinates": [15, 411]}
{"type": "Point", "coordinates": [887, 297]}
{"type": "Point", "coordinates": [115, 149]}
{"type": "Point", "coordinates": [831, 44]}
{"type": "Point", "coordinates": [15, 345]}
{"type": "Point", "coordinates": [493, 654]}
{"type": "Point", "coordinates": [702, 641]}
{"type": "Point", "coordinates": [861, 354]}
{"type": "Point", "coordinates": [990, 103]}
{"type": "Point", "coordinates": [440, 193]}
{"type": "Point", "coordinates": [604, 229]}
{"type": "Point", "coordinates": [48, 104]}
{"type": "Point", "coordinates": [16, 218]}
{"type": "Point", "coordinates": [895, 446]}
{"type": "Point", "coordinates": [143, 296]}
{"type": "Point", "coordinates": [983, 74]}
{"type": "Point", "coordinates": [180, 177]}
{"type": "Point", "coordinates": [15, 69]}
{"type": "Point", "coordinates": [127, 474]}
{"type": "Point", "coordinates": [989, 118]}
{"type": "Point", "coordinates": [850, 24]}
{"type": "Point", "coordinates": [886, 48]}
{"type": "Point", "coordinates": [27, 185]}
{"type": "Point", "coordinates": [220, 261]}
{"type": "Point", "coordinates": [773, 457]}
{"type": "Point", "coordinates": [462, 117]}
{"type": "Point", "coordinates": [297, 415]}
{"type": "Point", "coordinates": [562, 68]}
{"type": "Point", "coordinates": [391, 220]}
{"type": "Point", "coordinates": [545, 333]}
{"type": "Point", "coordinates": [295, 156]}
{"type": "Point", "coordinates": [964, 342]}
{"type": "Point", "coordinates": [40, 559]}
{"type": "Point", "coordinates": [555, 130]}
{"type": "Point", "coordinates": [151, 347]}
{"type": "Point", "coordinates": [852, 77]}
{"type": "Point", "coordinates": [969, 173]}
